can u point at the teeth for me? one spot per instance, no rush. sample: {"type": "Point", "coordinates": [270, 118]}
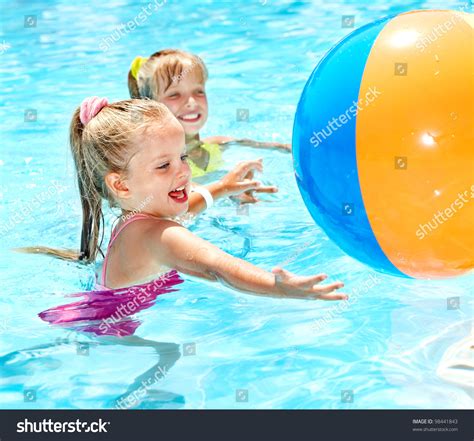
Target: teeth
{"type": "Point", "coordinates": [179, 188]}
{"type": "Point", "coordinates": [190, 116]}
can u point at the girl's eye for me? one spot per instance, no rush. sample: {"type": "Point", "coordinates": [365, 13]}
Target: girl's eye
{"type": "Point", "coordinates": [167, 164]}
{"type": "Point", "coordinates": [173, 95]}
{"type": "Point", "coordinates": [200, 92]}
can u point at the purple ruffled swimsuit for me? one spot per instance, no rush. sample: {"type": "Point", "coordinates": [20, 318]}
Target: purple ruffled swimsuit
{"type": "Point", "coordinates": [106, 311]}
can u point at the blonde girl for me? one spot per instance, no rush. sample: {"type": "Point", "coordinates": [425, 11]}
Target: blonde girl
{"type": "Point", "coordinates": [133, 151]}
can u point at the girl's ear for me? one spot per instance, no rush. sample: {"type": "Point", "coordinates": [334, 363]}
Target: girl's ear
{"type": "Point", "coordinates": [117, 186]}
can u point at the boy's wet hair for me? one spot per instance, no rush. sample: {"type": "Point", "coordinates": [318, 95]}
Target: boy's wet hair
{"type": "Point", "coordinates": [163, 69]}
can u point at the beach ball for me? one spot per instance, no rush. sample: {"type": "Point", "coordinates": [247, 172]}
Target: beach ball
{"type": "Point", "coordinates": [383, 144]}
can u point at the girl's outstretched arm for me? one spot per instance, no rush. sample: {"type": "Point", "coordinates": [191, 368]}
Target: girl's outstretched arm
{"type": "Point", "coordinates": [223, 141]}
{"type": "Point", "coordinates": [176, 247]}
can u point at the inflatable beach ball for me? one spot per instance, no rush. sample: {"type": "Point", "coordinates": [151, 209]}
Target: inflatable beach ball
{"type": "Point", "coordinates": [383, 144]}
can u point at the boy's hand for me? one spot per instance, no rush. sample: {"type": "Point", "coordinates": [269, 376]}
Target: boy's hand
{"type": "Point", "coordinates": [305, 287]}
{"type": "Point", "coordinates": [285, 147]}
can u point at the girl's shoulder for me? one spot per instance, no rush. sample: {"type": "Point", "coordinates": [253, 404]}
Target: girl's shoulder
{"type": "Point", "coordinates": [156, 235]}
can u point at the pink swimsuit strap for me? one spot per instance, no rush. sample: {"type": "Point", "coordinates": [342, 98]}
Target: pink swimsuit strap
{"type": "Point", "coordinates": [114, 236]}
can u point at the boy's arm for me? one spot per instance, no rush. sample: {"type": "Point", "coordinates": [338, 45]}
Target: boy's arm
{"type": "Point", "coordinates": [218, 139]}
{"type": "Point", "coordinates": [224, 140]}
{"type": "Point", "coordinates": [263, 145]}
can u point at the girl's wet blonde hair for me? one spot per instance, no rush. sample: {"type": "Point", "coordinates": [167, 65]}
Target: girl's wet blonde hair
{"type": "Point", "coordinates": [104, 145]}
{"type": "Point", "coordinates": [161, 70]}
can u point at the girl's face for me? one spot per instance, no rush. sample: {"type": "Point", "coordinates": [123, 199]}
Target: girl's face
{"type": "Point", "coordinates": [186, 98]}
{"type": "Point", "coordinates": [158, 176]}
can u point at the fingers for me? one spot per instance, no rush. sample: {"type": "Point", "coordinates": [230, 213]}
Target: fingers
{"type": "Point", "coordinates": [249, 175]}
{"type": "Point", "coordinates": [307, 287]}
{"type": "Point", "coordinates": [245, 167]}
{"type": "Point", "coordinates": [326, 289]}
{"type": "Point", "coordinates": [248, 185]}
{"type": "Point", "coordinates": [337, 296]}
{"type": "Point", "coordinates": [251, 200]}
{"type": "Point", "coordinates": [244, 172]}
{"type": "Point", "coordinates": [267, 189]}
{"type": "Point", "coordinates": [247, 198]}
{"type": "Point", "coordinates": [326, 292]}
{"type": "Point", "coordinates": [310, 281]}
{"type": "Point", "coordinates": [257, 187]}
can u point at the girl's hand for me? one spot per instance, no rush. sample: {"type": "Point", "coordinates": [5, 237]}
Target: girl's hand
{"type": "Point", "coordinates": [306, 287]}
{"type": "Point", "coordinates": [240, 180]}
{"type": "Point", "coordinates": [247, 197]}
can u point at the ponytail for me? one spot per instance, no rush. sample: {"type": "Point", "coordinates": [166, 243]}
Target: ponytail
{"type": "Point", "coordinates": [91, 196]}
{"type": "Point", "coordinates": [133, 75]}
{"type": "Point", "coordinates": [133, 86]}
{"type": "Point", "coordinates": [91, 201]}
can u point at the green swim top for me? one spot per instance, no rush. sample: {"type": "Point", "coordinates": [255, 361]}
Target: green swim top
{"type": "Point", "coordinates": [215, 161]}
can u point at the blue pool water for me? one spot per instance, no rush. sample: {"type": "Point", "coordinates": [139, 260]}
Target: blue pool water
{"type": "Point", "coordinates": [203, 346]}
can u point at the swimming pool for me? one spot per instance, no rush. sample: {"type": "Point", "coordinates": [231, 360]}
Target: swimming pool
{"type": "Point", "coordinates": [203, 346]}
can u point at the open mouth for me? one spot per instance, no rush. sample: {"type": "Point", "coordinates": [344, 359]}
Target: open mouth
{"type": "Point", "coordinates": [179, 194]}
{"type": "Point", "coordinates": [190, 117]}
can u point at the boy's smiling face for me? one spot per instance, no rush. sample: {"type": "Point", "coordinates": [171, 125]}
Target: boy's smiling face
{"type": "Point", "coordinates": [186, 98]}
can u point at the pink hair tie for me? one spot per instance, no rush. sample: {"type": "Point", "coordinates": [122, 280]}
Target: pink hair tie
{"type": "Point", "coordinates": [90, 107]}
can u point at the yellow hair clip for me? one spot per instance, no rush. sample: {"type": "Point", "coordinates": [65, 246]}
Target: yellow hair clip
{"type": "Point", "coordinates": [137, 63]}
